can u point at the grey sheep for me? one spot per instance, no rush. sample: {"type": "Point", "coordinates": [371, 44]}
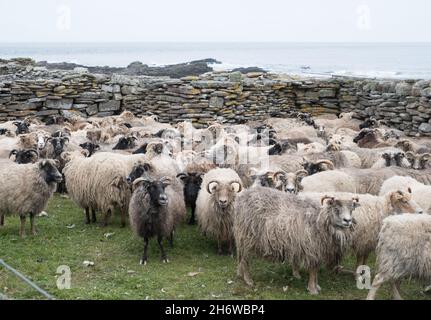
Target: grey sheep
{"type": "Point", "coordinates": [25, 190]}
{"type": "Point", "coordinates": [283, 227]}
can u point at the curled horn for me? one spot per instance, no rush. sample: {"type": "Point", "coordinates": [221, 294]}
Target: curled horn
{"type": "Point", "coordinates": [329, 163]}
{"type": "Point", "coordinates": [301, 173]}
{"type": "Point", "coordinates": [33, 151]}
{"type": "Point", "coordinates": [279, 173]}
{"type": "Point", "coordinates": [209, 184]}
{"type": "Point", "coordinates": [139, 180]}
{"type": "Point", "coordinates": [239, 186]}
{"type": "Point", "coordinates": [166, 180]}
{"type": "Point", "coordinates": [410, 155]}
{"type": "Point", "coordinates": [13, 152]}
{"type": "Point", "coordinates": [426, 156]}
{"type": "Point", "coordinates": [326, 198]}
{"type": "Point", "coordinates": [66, 139]}
{"type": "Point", "coordinates": [182, 175]}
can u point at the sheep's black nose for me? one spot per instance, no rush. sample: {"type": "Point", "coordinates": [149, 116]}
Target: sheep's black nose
{"type": "Point", "coordinates": [129, 180]}
{"type": "Point", "coordinates": [290, 190]}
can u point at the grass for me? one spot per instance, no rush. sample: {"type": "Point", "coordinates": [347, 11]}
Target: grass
{"type": "Point", "coordinates": [116, 273]}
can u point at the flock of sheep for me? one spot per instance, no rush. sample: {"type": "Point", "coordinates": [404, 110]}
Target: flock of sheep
{"type": "Point", "coordinates": [301, 190]}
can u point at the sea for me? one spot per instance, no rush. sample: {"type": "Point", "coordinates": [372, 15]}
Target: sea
{"type": "Point", "coordinates": [369, 60]}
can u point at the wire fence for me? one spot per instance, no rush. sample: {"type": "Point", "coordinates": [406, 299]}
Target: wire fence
{"type": "Point", "coordinates": [25, 280]}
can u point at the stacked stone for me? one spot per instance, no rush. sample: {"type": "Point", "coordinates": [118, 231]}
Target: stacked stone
{"type": "Point", "coordinates": [26, 90]}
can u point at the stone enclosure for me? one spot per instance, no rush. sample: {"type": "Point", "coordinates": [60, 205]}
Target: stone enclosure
{"type": "Point", "coordinates": [36, 91]}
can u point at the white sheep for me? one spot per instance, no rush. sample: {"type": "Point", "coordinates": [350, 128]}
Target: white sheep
{"type": "Point", "coordinates": [403, 252]}
{"type": "Point", "coordinates": [215, 205]}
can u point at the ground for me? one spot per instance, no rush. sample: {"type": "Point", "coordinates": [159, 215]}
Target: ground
{"type": "Point", "coordinates": [195, 270]}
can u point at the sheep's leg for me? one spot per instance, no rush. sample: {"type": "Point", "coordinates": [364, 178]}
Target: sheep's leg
{"type": "Point", "coordinates": [1, 220]}
{"type": "Point", "coordinates": [162, 250]}
{"type": "Point", "coordinates": [313, 287]}
{"type": "Point", "coordinates": [106, 218]}
{"type": "Point", "coordinates": [295, 271]}
{"type": "Point", "coordinates": [93, 216]}
{"type": "Point", "coordinates": [33, 224]}
{"type": "Point", "coordinates": [242, 270]}
{"type": "Point", "coordinates": [87, 216]}
{"type": "Point", "coordinates": [171, 239]}
{"type": "Point", "coordinates": [230, 247]}
{"type": "Point", "coordinates": [219, 247]}
{"type": "Point", "coordinates": [379, 279]}
{"type": "Point", "coordinates": [396, 290]}
{"type": "Point", "coordinates": [123, 218]}
{"type": "Point", "coordinates": [22, 228]}
{"type": "Point", "coordinates": [192, 217]}
{"type": "Point", "coordinates": [144, 259]}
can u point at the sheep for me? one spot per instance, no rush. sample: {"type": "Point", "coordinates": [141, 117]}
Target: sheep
{"type": "Point", "coordinates": [151, 212]}
{"type": "Point", "coordinates": [369, 216]}
{"type": "Point", "coordinates": [90, 147]}
{"type": "Point", "coordinates": [418, 161]}
{"type": "Point", "coordinates": [24, 156]}
{"type": "Point", "coordinates": [26, 189]}
{"type": "Point", "coordinates": [407, 145]}
{"type": "Point", "coordinates": [420, 193]}
{"type": "Point", "coordinates": [389, 159]}
{"type": "Point", "coordinates": [371, 138]}
{"type": "Point", "coordinates": [192, 180]}
{"type": "Point", "coordinates": [318, 166]}
{"type": "Point", "coordinates": [99, 183]}
{"type": "Point", "coordinates": [403, 251]}
{"type": "Point", "coordinates": [214, 205]}
{"type": "Point", "coordinates": [282, 227]}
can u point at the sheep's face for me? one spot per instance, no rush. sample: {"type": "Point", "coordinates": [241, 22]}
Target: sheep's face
{"type": "Point", "coordinates": [369, 123]}
{"type": "Point", "coordinates": [41, 141]}
{"type": "Point", "coordinates": [125, 143]}
{"type": "Point", "coordinates": [49, 171]}
{"type": "Point", "coordinates": [156, 190]}
{"type": "Point", "coordinates": [224, 193]}
{"type": "Point", "coordinates": [404, 145]}
{"type": "Point", "coordinates": [289, 182]}
{"type": "Point", "coordinates": [90, 147]}
{"type": "Point", "coordinates": [24, 156]}
{"type": "Point", "coordinates": [402, 202]}
{"type": "Point", "coordinates": [335, 142]}
{"type": "Point", "coordinates": [340, 211]}
{"type": "Point", "coordinates": [58, 144]}
{"type": "Point", "coordinates": [399, 159]}
{"type": "Point", "coordinates": [192, 184]}
{"type": "Point", "coordinates": [418, 161]}
{"type": "Point", "coordinates": [262, 180]}
{"type": "Point", "coordinates": [138, 171]}
{"type": "Point", "coordinates": [21, 127]}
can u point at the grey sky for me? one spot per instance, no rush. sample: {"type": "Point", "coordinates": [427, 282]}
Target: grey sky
{"type": "Point", "coordinates": [217, 20]}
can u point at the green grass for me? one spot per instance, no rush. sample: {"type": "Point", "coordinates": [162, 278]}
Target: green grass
{"type": "Point", "coordinates": [118, 275]}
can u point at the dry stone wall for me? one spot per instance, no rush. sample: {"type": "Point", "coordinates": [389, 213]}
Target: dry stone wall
{"type": "Point", "coordinates": [36, 91]}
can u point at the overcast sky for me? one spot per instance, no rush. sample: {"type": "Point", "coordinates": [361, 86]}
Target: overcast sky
{"type": "Point", "coordinates": [216, 20]}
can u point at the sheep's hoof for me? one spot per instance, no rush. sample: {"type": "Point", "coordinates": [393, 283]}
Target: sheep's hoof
{"type": "Point", "coordinates": [165, 260]}
{"type": "Point", "coordinates": [313, 291]}
{"type": "Point", "coordinates": [143, 262]}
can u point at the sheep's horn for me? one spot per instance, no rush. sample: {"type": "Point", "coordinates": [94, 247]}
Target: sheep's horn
{"type": "Point", "coordinates": [239, 186]}
{"type": "Point", "coordinates": [209, 184]}
{"type": "Point", "coordinates": [425, 156]}
{"type": "Point", "coordinates": [135, 183]}
{"type": "Point", "coordinates": [326, 198]}
{"type": "Point", "coordinates": [182, 175]}
{"type": "Point", "coordinates": [410, 154]}
{"type": "Point", "coordinates": [301, 172]}
{"type": "Point", "coordinates": [13, 152]}
{"type": "Point", "coordinates": [33, 151]}
{"type": "Point", "coordinates": [278, 173]}
{"type": "Point", "coordinates": [327, 162]}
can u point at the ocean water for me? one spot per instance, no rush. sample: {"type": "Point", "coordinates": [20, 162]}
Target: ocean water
{"type": "Point", "coordinates": [374, 60]}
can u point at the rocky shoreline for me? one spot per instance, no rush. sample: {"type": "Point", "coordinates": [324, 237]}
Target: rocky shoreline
{"type": "Point", "coordinates": [29, 89]}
